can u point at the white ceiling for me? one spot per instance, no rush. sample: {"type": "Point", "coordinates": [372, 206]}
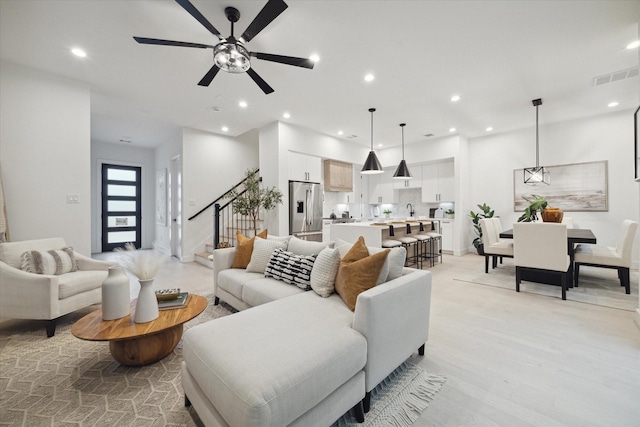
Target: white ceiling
{"type": "Point", "coordinates": [498, 55]}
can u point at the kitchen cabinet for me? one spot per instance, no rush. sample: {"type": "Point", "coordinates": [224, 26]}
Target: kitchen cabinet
{"type": "Point", "coordinates": [446, 229]}
{"type": "Point", "coordinates": [438, 182]}
{"type": "Point", "coordinates": [416, 182]}
{"type": "Point", "coordinates": [338, 176]}
{"type": "Point", "coordinates": [304, 168]}
{"type": "Point", "coordinates": [381, 189]}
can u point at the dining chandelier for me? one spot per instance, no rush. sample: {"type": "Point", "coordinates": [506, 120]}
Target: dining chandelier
{"type": "Point", "coordinates": [372, 164]}
{"type": "Point", "coordinates": [537, 174]}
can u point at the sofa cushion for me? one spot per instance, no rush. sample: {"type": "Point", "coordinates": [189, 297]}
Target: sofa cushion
{"type": "Point", "coordinates": [232, 280]}
{"type": "Point", "coordinates": [262, 250]}
{"type": "Point", "coordinates": [266, 289]}
{"type": "Point", "coordinates": [358, 272]}
{"type": "Point", "coordinates": [244, 249]}
{"type": "Point", "coordinates": [52, 262]}
{"type": "Point", "coordinates": [279, 360]}
{"type": "Point", "coordinates": [78, 282]}
{"type": "Point", "coordinates": [393, 266]}
{"type": "Point", "coordinates": [11, 252]}
{"type": "Point", "coordinates": [305, 247]}
{"type": "Point", "coordinates": [323, 274]}
{"type": "Point", "coordinates": [290, 268]}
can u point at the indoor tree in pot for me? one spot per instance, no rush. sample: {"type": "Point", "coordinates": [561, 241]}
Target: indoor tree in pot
{"type": "Point", "coordinates": [486, 212]}
{"type": "Point", "coordinates": [249, 201]}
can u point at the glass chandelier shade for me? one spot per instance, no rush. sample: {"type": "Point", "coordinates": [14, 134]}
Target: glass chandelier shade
{"type": "Point", "coordinates": [231, 57]}
{"type": "Point", "coordinates": [538, 174]}
{"type": "Point", "coordinates": [372, 164]}
{"type": "Point", "coordinates": [402, 172]}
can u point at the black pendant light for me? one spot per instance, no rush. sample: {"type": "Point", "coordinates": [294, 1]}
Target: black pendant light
{"type": "Point", "coordinates": [537, 174]}
{"type": "Point", "coordinates": [372, 164]}
{"type": "Point", "coordinates": [403, 171]}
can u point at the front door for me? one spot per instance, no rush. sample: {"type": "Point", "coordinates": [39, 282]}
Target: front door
{"type": "Point", "coordinates": [121, 207]}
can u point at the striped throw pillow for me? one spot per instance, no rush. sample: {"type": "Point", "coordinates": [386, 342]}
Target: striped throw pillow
{"type": "Point", "coordinates": [53, 262]}
{"type": "Point", "coordinates": [290, 268]}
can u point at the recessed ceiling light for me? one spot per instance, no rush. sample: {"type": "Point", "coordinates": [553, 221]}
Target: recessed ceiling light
{"type": "Point", "coordinates": [286, 115]}
{"type": "Point", "coordinates": [489, 129]}
{"type": "Point", "coordinates": [633, 45]}
{"type": "Point", "coordinates": [79, 52]}
{"type": "Point", "coordinates": [452, 130]}
{"type": "Point", "coordinates": [242, 104]}
{"type": "Point", "coordinates": [380, 145]}
{"type": "Point", "coordinates": [340, 132]}
{"type": "Point", "coordinates": [455, 98]}
{"type": "Point", "coordinates": [369, 78]}
{"type": "Point", "coordinates": [314, 58]}
{"type": "Point", "coordinates": [612, 104]}
{"type": "Point", "coordinates": [225, 129]}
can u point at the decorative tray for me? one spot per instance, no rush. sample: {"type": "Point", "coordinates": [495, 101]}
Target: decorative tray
{"type": "Point", "coordinates": [166, 294]}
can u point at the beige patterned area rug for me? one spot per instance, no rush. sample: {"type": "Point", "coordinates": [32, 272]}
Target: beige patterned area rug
{"type": "Point", "coordinates": [598, 286]}
{"type": "Point", "coordinates": [64, 381]}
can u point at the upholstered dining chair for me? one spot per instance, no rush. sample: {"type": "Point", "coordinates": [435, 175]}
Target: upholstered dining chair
{"type": "Point", "coordinates": [494, 246]}
{"type": "Point", "coordinates": [618, 257]}
{"type": "Point", "coordinates": [541, 248]}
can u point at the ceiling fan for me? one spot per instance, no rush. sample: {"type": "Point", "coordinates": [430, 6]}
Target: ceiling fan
{"type": "Point", "coordinates": [230, 54]}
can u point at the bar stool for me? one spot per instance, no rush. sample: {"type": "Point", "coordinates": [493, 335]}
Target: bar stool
{"type": "Point", "coordinates": [424, 241]}
{"type": "Point", "coordinates": [436, 241]}
{"type": "Point", "coordinates": [391, 243]}
{"type": "Point", "coordinates": [407, 243]}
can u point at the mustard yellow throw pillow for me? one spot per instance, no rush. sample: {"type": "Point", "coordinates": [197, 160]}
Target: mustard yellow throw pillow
{"type": "Point", "coordinates": [358, 272]}
{"type": "Point", "coordinates": [244, 249]}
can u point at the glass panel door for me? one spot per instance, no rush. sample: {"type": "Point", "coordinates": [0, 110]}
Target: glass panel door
{"type": "Point", "coordinates": [121, 207]}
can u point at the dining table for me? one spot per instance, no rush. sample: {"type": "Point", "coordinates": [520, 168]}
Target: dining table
{"type": "Point", "coordinates": [574, 236]}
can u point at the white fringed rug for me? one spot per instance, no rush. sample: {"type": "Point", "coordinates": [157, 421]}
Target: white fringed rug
{"type": "Point", "coordinates": [399, 399]}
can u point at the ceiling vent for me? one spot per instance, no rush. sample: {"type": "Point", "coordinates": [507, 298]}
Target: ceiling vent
{"type": "Point", "coordinates": [351, 136]}
{"type": "Point", "coordinates": [428, 135]}
{"type": "Point", "coordinates": [615, 76]}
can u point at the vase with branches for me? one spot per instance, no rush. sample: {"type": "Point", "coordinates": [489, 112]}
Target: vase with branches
{"type": "Point", "coordinates": [254, 197]}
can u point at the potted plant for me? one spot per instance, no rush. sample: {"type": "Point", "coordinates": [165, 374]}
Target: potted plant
{"type": "Point", "coordinates": [449, 213]}
{"type": "Point", "coordinates": [536, 204]}
{"type": "Point", "coordinates": [386, 213]}
{"type": "Point", "coordinates": [485, 212]}
{"type": "Point", "coordinates": [249, 201]}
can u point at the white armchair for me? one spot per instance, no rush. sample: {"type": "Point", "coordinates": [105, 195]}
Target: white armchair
{"type": "Point", "coordinates": [25, 295]}
{"type": "Point", "coordinates": [607, 256]}
{"type": "Point", "coordinates": [493, 245]}
{"type": "Point", "coordinates": [541, 248]}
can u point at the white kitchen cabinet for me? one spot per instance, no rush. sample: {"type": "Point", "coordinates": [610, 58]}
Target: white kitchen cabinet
{"type": "Point", "coordinates": [438, 182]}
{"type": "Point", "coordinates": [326, 230]}
{"type": "Point", "coordinates": [381, 189]}
{"type": "Point", "coordinates": [416, 182]}
{"type": "Point", "coordinates": [446, 229]}
{"type": "Point", "coordinates": [304, 168]}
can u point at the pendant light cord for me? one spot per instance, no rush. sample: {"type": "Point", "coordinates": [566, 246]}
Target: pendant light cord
{"type": "Point", "coordinates": [372, 110]}
{"type": "Point", "coordinates": [402, 127]}
{"type": "Point", "coordinates": [537, 143]}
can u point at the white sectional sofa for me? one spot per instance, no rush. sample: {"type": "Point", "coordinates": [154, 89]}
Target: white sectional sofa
{"type": "Point", "coordinates": [296, 358]}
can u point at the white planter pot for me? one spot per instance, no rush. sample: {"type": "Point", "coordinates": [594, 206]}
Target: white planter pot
{"type": "Point", "coordinates": [147, 304]}
{"type": "Point", "coordinates": [115, 295]}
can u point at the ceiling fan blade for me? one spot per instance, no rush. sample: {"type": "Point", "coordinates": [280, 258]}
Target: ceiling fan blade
{"type": "Point", "coordinates": [256, 78]}
{"type": "Point", "coordinates": [208, 78]}
{"type": "Point", "coordinates": [269, 12]}
{"type": "Point", "coordinates": [145, 40]}
{"type": "Point", "coordinates": [289, 60]}
{"type": "Point", "coordinates": [186, 5]}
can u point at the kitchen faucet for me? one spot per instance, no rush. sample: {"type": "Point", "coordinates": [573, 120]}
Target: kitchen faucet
{"type": "Point", "coordinates": [411, 211]}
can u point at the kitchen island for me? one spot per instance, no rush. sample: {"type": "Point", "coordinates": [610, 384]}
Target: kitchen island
{"type": "Point", "coordinates": [375, 232]}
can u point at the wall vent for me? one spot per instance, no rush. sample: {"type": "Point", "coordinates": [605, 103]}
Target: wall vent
{"type": "Point", "coordinates": [428, 135]}
{"type": "Point", "coordinates": [615, 76]}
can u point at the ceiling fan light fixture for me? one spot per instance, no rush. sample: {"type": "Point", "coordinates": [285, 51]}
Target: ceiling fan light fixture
{"type": "Point", "coordinates": [372, 164]}
{"type": "Point", "coordinates": [231, 57]}
{"type": "Point", "coordinates": [402, 172]}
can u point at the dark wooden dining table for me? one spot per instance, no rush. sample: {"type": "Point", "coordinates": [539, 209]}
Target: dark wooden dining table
{"type": "Point", "coordinates": [574, 236]}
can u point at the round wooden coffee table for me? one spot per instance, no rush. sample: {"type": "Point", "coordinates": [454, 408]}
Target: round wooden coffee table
{"type": "Point", "coordinates": [138, 344]}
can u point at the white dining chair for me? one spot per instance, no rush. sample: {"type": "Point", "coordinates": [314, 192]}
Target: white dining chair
{"type": "Point", "coordinates": [568, 221]}
{"type": "Point", "coordinates": [493, 245]}
{"type": "Point", "coordinates": [541, 248]}
{"type": "Point", "coordinates": [618, 257]}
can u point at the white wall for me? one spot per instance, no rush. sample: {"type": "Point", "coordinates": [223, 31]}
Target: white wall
{"type": "Point", "coordinates": [605, 137]}
{"type": "Point", "coordinates": [211, 164]}
{"type": "Point", "coordinates": [45, 155]}
{"type": "Point", "coordinates": [120, 154]}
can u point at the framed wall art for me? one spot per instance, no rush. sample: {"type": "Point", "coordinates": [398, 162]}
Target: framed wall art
{"type": "Point", "coordinates": [577, 187]}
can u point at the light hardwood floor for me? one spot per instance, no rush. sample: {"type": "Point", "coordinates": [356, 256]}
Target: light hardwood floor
{"type": "Point", "coordinates": [511, 359]}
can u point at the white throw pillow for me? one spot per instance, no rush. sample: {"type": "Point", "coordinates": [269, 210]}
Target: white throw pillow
{"type": "Point", "coordinates": [262, 250]}
{"type": "Point", "coordinates": [323, 274]}
{"type": "Point", "coordinates": [280, 238]}
{"type": "Point", "coordinates": [306, 247]}
{"type": "Point", "coordinates": [53, 262]}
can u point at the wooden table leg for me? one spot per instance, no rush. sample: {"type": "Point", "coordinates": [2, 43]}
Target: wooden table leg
{"type": "Point", "coordinates": [146, 349]}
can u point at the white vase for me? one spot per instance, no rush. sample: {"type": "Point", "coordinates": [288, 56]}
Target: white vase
{"type": "Point", "coordinates": [147, 304]}
{"type": "Point", "coordinates": [115, 295]}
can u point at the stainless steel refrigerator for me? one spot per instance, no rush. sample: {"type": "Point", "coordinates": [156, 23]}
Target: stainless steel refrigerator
{"type": "Point", "coordinates": [305, 210]}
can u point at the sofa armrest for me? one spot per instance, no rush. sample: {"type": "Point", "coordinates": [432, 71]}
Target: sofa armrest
{"type": "Point", "coordinates": [26, 295]}
{"type": "Point", "coordinates": [394, 318]}
{"type": "Point", "coordinates": [222, 260]}
{"type": "Point", "coordinates": [85, 263]}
